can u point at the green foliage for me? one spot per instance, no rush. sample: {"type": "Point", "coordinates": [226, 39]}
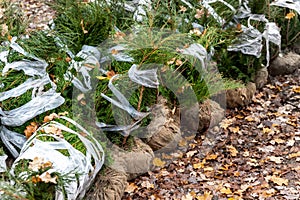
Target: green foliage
{"type": "Point", "coordinates": [79, 23]}
{"type": "Point", "coordinates": [12, 20]}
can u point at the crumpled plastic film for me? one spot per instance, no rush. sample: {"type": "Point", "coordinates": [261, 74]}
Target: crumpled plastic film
{"type": "Point", "coordinates": [119, 55]}
{"type": "Point", "coordinates": [38, 105]}
{"type": "Point", "coordinates": [123, 103]}
{"type": "Point", "coordinates": [215, 15]}
{"type": "Point", "coordinates": [90, 56]}
{"type": "Point", "coordinates": [3, 163]}
{"type": "Point", "coordinates": [21, 89]}
{"type": "Point", "coordinates": [124, 129]}
{"type": "Point", "coordinates": [76, 162]}
{"type": "Point", "coordinates": [41, 101]}
{"type": "Point", "coordinates": [147, 78]}
{"type": "Point", "coordinates": [250, 41]}
{"type": "Point", "coordinates": [291, 4]}
{"type": "Point", "coordinates": [11, 140]}
{"type": "Point", "coordinates": [198, 51]}
{"type": "Point", "coordinates": [138, 8]}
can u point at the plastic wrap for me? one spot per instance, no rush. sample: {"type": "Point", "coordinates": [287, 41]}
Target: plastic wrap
{"type": "Point", "coordinates": [250, 41]}
{"type": "Point", "coordinates": [119, 55]}
{"type": "Point", "coordinates": [291, 4]}
{"type": "Point", "coordinates": [122, 101]}
{"type": "Point", "coordinates": [38, 105]}
{"type": "Point", "coordinates": [125, 130]}
{"type": "Point", "coordinates": [11, 140]}
{"type": "Point", "coordinates": [147, 78]}
{"type": "Point", "coordinates": [3, 164]}
{"type": "Point", "coordinates": [21, 89]}
{"type": "Point", "coordinates": [197, 51]}
{"type": "Point", "coordinates": [76, 162]}
{"type": "Point", "coordinates": [41, 101]}
{"type": "Point", "coordinates": [91, 57]}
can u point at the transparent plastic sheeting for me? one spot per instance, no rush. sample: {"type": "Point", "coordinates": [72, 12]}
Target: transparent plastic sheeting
{"type": "Point", "coordinates": [291, 4]}
{"type": "Point", "coordinates": [147, 78]}
{"type": "Point", "coordinates": [3, 163]}
{"type": "Point", "coordinates": [85, 166]}
{"type": "Point", "coordinates": [91, 57]}
{"type": "Point", "coordinates": [41, 101]}
{"type": "Point", "coordinates": [251, 39]}
{"type": "Point", "coordinates": [122, 102]}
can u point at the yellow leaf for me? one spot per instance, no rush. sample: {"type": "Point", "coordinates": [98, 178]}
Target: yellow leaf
{"type": "Point", "coordinates": [225, 191]}
{"type": "Point", "coordinates": [279, 181]}
{"type": "Point", "coordinates": [232, 150]}
{"type": "Point", "coordinates": [239, 116]}
{"type": "Point", "coordinates": [279, 141]}
{"type": "Point", "coordinates": [82, 27]}
{"type": "Point", "coordinates": [158, 162]}
{"type": "Point", "coordinates": [290, 15]}
{"type": "Point", "coordinates": [211, 157]}
{"type": "Point", "coordinates": [199, 165]}
{"type": "Point", "coordinates": [205, 196]}
{"type": "Point", "coordinates": [234, 129]}
{"type": "Point", "coordinates": [101, 77]}
{"type": "Point", "coordinates": [131, 188]}
{"type": "Point", "coordinates": [114, 51]}
{"type": "Point", "coordinates": [208, 169]}
{"type": "Point", "coordinates": [294, 155]}
{"type": "Point", "coordinates": [296, 89]}
{"type": "Point", "coordinates": [267, 130]}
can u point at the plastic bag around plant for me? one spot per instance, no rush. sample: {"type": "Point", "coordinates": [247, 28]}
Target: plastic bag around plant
{"type": "Point", "coordinates": [38, 105]}
{"type": "Point", "coordinates": [81, 168]}
{"type": "Point", "coordinates": [197, 51]}
{"type": "Point", "coordinates": [147, 78]}
{"type": "Point", "coordinates": [30, 83]}
{"type": "Point", "coordinates": [250, 41]}
{"type": "Point", "coordinates": [122, 101]}
{"type": "Point", "coordinates": [3, 167]}
{"type": "Point", "coordinates": [12, 140]}
{"type": "Point", "coordinates": [118, 55]}
{"type": "Point", "coordinates": [90, 59]}
{"type": "Point", "coordinates": [291, 4]}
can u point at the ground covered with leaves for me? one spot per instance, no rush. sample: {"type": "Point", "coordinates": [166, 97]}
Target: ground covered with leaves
{"type": "Point", "coordinates": [256, 156]}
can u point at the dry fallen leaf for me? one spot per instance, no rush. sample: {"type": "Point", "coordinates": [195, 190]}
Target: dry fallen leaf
{"type": "Point", "coordinates": [225, 190]}
{"type": "Point", "coordinates": [188, 196]}
{"type": "Point", "coordinates": [232, 150]}
{"type": "Point", "coordinates": [46, 178]}
{"type": "Point", "coordinates": [131, 188]}
{"type": "Point", "coordinates": [234, 129]}
{"type": "Point", "coordinates": [205, 196]}
{"type": "Point", "coordinates": [211, 157]}
{"type": "Point", "coordinates": [158, 162]}
{"type": "Point", "coordinates": [30, 129]}
{"type": "Point", "coordinates": [50, 117]}
{"type": "Point", "coordinates": [147, 184]}
{"type": "Point", "coordinates": [279, 181]}
{"type": "Point", "coordinates": [191, 153]}
{"type": "Point", "coordinates": [199, 165]}
{"type": "Point", "coordinates": [294, 155]}
{"type": "Point", "coordinates": [275, 159]}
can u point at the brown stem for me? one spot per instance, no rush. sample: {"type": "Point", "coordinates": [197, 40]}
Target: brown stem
{"type": "Point", "coordinates": [140, 98]}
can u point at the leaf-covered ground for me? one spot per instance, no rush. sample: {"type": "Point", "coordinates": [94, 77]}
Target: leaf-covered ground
{"type": "Point", "coordinates": [257, 155]}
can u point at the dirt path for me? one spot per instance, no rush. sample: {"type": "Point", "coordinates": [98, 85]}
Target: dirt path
{"type": "Point", "coordinates": [256, 157]}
